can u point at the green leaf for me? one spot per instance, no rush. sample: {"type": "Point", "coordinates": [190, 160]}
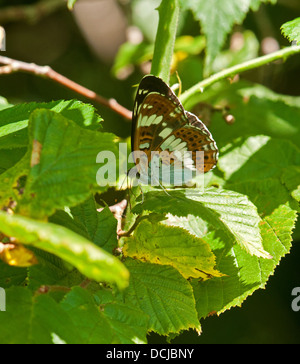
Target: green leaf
{"type": "Point", "coordinates": [163, 294]}
{"type": "Point", "coordinates": [114, 324]}
{"type": "Point", "coordinates": [10, 181]}
{"type": "Point", "coordinates": [266, 171]}
{"type": "Point", "coordinates": [291, 30]}
{"type": "Point", "coordinates": [14, 120]}
{"type": "Point", "coordinates": [9, 158]}
{"type": "Point", "coordinates": [131, 54]}
{"type": "Point", "coordinates": [63, 164]}
{"type": "Point", "coordinates": [227, 211]}
{"type": "Point", "coordinates": [256, 109]}
{"type": "Point", "coordinates": [64, 218]}
{"type": "Point", "coordinates": [101, 226]}
{"type": "Point", "coordinates": [34, 320]}
{"type": "Point", "coordinates": [290, 178]}
{"type": "Point", "coordinates": [249, 49]}
{"type": "Point", "coordinates": [169, 245]}
{"type": "Point", "coordinates": [258, 158]}
{"type": "Point", "coordinates": [90, 260]}
{"type": "Point", "coordinates": [52, 271]}
{"type": "Point", "coordinates": [38, 319]}
{"type": "Point", "coordinates": [135, 54]}
{"type": "Point", "coordinates": [129, 325]}
{"type": "Point", "coordinates": [245, 273]}
{"type": "Point", "coordinates": [217, 18]}
{"type": "Point", "coordinates": [4, 103]}
{"type": "Point", "coordinates": [11, 276]}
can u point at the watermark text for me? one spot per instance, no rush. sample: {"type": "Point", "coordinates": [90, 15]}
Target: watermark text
{"type": "Point", "coordinates": [155, 168]}
{"type": "Point", "coordinates": [296, 300]}
{"type": "Point", "coordinates": [2, 299]}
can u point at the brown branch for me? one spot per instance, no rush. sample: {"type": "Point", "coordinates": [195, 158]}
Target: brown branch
{"type": "Point", "coordinates": [12, 65]}
{"type": "Point", "coordinates": [31, 13]}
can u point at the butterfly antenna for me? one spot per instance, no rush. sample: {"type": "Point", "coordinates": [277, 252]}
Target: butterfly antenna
{"type": "Point", "coordinates": [180, 84]}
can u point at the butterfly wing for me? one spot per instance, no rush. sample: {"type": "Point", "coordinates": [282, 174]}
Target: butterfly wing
{"type": "Point", "coordinates": [200, 139]}
{"type": "Point", "coordinates": [160, 123]}
{"type": "Point", "coordinates": [157, 112]}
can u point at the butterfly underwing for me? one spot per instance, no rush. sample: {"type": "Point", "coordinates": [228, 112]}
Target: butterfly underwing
{"type": "Point", "coordinates": [161, 127]}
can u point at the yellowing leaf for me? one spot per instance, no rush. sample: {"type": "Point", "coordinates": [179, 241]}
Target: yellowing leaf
{"type": "Point", "coordinates": [17, 255]}
{"type": "Point", "coordinates": [161, 244]}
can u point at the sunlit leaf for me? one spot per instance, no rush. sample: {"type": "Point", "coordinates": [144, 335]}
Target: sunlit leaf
{"type": "Point", "coordinates": [162, 293]}
{"type": "Point", "coordinates": [291, 30]}
{"type": "Point", "coordinates": [89, 259]}
{"type": "Point", "coordinates": [63, 161]}
{"type": "Point", "coordinates": [170, 245]}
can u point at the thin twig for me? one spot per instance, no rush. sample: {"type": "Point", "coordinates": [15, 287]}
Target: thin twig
{"type": "Point", "coordinates": [242, 67]}
{"type": "Point", "coordinates": [31, 13]}
{"type": "Point", "coordinates": [12, 65]}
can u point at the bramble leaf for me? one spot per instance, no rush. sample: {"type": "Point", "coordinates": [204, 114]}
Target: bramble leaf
{"type": "Point", "coordinates": [100, 226]}
{"type": "Point", "coordinates": [14, 120]}
{"type": "Point", "coordinates": [63, 166]}
{"type": "Point", "coordinates": [217, 18]}
{"type": "Point", "coordinates": [170, 245]}
{"type": "Point", "coordinates": [291, 30]}
{"type": "Point", "coordinates": [33, 319]}
{"type": "Point", "coordinates": [162, 293]}
{"type": "Point", "coordinates": [223, 210]}
{"type": "Point", "coordinates": [89, 259]}
{"type": "Point", "coordinates": [116, 323]}
{"type": "Point", "coordinates": [246, 273]}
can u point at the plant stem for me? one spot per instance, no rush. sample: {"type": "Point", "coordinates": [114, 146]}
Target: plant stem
{"type": "Point", "coordinates": [165, 39]}
{"type": "Point", "coordinates": [232, 71]}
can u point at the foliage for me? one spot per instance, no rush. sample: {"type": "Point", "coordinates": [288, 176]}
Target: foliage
{"type": "Point", "coordinates": [291, 30]}
{"type": "Point", "coordinates": [217, 19]}
{"type": "Point", "coordinates": [69, 277]}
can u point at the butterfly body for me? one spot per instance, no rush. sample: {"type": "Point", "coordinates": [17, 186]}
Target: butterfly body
{"type": "Point", "coordinates": [168, 136]}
